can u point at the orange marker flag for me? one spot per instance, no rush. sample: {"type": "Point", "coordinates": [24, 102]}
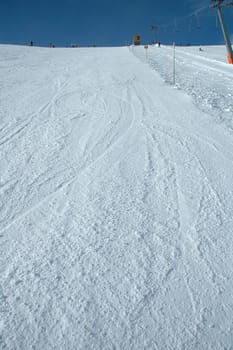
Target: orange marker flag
{"type": "Point", "coordinates": [230, 59]}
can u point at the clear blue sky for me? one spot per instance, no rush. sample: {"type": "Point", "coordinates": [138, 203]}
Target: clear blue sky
{"type": "Point", "coordinates": [109, 22]}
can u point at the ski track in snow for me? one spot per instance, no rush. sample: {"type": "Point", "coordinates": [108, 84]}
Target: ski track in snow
{"type": "Point", "coordinates": [89, 163]}
{"type": "Point", "coordinates": [115, 200]}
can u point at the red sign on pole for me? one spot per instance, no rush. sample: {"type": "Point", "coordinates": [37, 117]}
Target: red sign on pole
{"type": "Point", "coordinates": [146, 47]}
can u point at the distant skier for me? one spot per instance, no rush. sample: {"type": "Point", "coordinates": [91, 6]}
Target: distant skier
{"type": "Point", "coordinates": [200, 49]}
{"type": "Point", "coordinates": [31, 43]}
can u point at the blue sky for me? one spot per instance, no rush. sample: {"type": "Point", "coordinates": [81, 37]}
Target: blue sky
{"type": "Point", "coordinates": [110, 22]}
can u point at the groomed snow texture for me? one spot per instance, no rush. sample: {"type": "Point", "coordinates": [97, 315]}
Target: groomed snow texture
{"type": "Point", "coordinates": [116, 199]}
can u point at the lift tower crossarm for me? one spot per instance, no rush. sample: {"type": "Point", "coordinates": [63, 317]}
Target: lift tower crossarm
{"type": "Point", "coordinates": [216, 3]}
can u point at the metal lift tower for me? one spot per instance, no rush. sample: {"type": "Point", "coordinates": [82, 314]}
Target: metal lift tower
{"type": "Point", "coordinates": [218, 4]}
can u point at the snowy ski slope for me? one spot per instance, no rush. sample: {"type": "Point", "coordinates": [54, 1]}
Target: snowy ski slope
{"type": "Point", "coordinates": [116, 199]}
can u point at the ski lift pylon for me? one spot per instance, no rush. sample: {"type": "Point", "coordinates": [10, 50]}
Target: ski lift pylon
{"type": "Point", "coordinates": [198, 24]}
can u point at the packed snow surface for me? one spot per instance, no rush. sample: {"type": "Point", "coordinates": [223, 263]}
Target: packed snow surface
{"type": "Point", "coordinates": [116, 198]}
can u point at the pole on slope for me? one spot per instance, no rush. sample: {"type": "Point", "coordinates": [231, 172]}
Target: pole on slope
{"type": "Point", "coordinates": [174, 64]}
{"type": "Point", "coordinates": [146, 50]}
{"type": "Point", "coordinates": [217, 4]}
